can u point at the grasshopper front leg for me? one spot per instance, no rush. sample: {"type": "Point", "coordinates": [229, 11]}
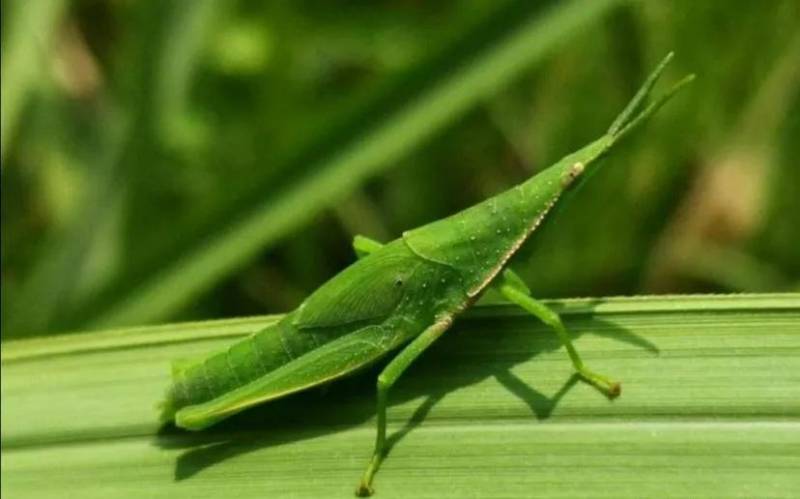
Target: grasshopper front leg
{"type": "Point", "coordinates": [513, 288]}
{"type": "Point", "coordinates": [386, 379]}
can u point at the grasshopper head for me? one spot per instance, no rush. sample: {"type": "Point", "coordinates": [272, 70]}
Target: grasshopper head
{"type": "Point", "coordinates": [636, 113]}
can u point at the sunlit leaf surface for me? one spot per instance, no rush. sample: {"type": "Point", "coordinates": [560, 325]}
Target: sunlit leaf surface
{"type": "Point", "coordinates": [710, 408]}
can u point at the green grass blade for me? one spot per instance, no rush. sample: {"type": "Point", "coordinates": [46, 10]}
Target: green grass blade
{"type": "Point", "coordinates": [439, 103]}
{"type": "Point", "coordinates": [710, 408]}
{"type": "Point", "coordinates": [24, 59]}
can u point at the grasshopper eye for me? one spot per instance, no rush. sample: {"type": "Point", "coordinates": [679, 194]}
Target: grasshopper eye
{"type": "Point", "coordinates": [398, 282]}
{"type": "Point", "coordinates": [574, 172]}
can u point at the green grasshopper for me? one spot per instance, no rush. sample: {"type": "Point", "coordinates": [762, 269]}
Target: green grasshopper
{"type": "Point", "coordinates": [406, 292]}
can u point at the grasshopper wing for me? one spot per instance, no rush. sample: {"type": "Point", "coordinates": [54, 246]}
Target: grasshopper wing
{"type": "Point", "coordinates": [333, 360]}
{"type": "Point", "coordinates": [367, 291]}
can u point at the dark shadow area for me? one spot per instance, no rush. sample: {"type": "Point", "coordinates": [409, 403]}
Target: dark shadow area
{"type": "Point", "coordinates": [447, 366]}
{"type": "Point", "coordinates": [541, 405]}
{"type": "Point", "coordinates": [415, 420]}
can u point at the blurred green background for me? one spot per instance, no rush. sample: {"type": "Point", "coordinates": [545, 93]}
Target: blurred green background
{"type": "Point", "coordinates": [191, 159]}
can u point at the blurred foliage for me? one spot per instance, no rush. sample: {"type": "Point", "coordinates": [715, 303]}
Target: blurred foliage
{"type": "Point", "coordinates": [201, 158]}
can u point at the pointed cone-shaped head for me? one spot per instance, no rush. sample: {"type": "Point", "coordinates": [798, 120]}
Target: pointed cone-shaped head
{"type": "Point", "coordinates": [575, 166]}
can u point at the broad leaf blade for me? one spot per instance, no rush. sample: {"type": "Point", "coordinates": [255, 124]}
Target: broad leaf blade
{"type": "Point", "coordinates": [710, 407]}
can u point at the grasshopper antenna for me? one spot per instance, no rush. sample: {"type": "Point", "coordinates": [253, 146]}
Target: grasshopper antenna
{"type": "Point", "coordinates": [638, 100]}
{"type": "Point", "coordinates": [638, 110]}
{"type": "Point", "coordinates": [653, 107]}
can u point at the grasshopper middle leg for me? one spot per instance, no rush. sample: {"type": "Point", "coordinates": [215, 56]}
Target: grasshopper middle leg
{"type": "Point", "coordinates": [386, 379]}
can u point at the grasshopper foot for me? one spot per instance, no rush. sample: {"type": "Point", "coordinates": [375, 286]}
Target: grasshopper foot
{"type": "Point", "coordinates": [364, 490]}
{"type": "Point", "coordinates": [614, 390]}
{"type": "Point", "coordinates": [611, 389]}
{"type": "Point", "coordinates": [365, 487]}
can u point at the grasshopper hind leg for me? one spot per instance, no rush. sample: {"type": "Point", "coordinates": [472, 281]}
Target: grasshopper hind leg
{"type": "Point", "coordinates": [513, 288]}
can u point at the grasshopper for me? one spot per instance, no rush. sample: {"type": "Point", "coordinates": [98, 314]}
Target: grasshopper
{"type": "Point", "coordinates": [405, 293]}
